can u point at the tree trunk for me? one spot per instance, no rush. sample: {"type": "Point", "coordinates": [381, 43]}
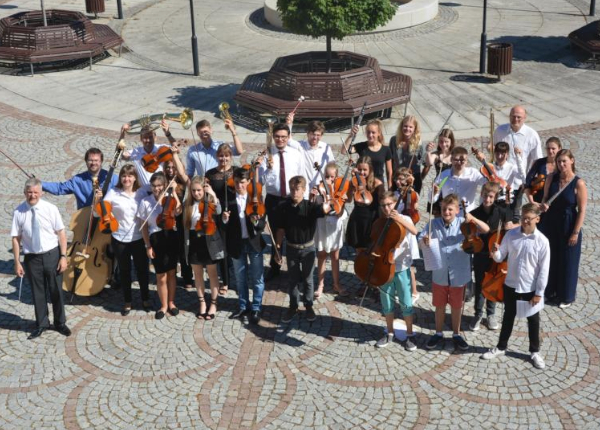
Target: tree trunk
{"type": "Point", "coordinates": [328, 54]}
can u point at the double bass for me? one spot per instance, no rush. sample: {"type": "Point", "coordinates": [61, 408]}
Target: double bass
{"type": "Point", "coordinates": [88, 267]}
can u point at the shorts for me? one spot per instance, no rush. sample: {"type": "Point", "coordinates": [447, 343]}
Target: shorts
{"type": "Point", "coordinates": [444, 294]}
{"type": "Point", "coordinates": [398, 286]}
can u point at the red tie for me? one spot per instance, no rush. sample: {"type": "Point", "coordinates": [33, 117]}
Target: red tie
{"type": "Point", "coordinates": [282, 175]}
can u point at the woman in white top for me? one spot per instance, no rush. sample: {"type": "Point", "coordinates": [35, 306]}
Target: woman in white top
{"type": "Point", "coordinates": [161, 239]}
{"type": "Point", "coordinates": [127, 241]}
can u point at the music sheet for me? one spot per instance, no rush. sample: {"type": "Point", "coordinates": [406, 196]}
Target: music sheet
{"type": "Point", "coordinates": [432, 257]}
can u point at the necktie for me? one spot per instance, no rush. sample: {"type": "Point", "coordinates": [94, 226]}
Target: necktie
{"type": "Point", "coordinates": [35, 231]}
{"type": "Point", "coordinates": [282, 180]}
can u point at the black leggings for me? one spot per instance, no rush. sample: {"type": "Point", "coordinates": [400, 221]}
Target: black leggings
{"type": "Point", "coordinates": [123, 253]}
{"type": "Point", "coordinates": [508, 321]}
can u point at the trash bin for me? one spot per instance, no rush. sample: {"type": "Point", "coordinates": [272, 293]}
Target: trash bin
{"type": "Point", "coordinates": [499, 60]}
{"type": "Point", "coordinates": [94, 6]}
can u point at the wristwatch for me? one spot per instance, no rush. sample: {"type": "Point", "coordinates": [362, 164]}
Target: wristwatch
{"type": "Point", "coordinates": [63, 255]}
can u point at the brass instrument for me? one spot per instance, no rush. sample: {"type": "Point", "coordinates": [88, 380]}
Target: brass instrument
{"type": "Point", "coordinates": [152, 122]}
{"type": "Point", "coordinates": [492, 123]}
{"type": "Point", "coordinates": [270, 120]}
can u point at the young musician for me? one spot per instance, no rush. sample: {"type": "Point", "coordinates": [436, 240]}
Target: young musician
{"type": "Point", "coordinates": [492, 214]}
{"type": "Point", "coordinates": [298, 224]}
{"type": "Point", "coordinates": [162, 244]}
{"type": "Point", "coordinates": [38, 227]}
{"type": "Point", "coordinates": [449, 282]}
{"type": "Point", "coordinates": [441, 158]}
{"type": "Point", "coordinates": [399, 286]}
{"type": "Point", "coordinates": [541, 169]}
{"type": "Point", "coordinates": [245, 246]}
{"type": "Point", "coordinates": [513, 174]}
{"type": "Point", "coordinates": [329, 237]}
{"type": "Point", "coordinates": [528, 264]}
{"type": "Point", "coordinates": [204, 250]}
{"type": "Point", "coordinates": [374, 148]}
{"type": "Point", "coordinates": [81, 185]}
{"type": "Point", "coordinates": [127, 241]}
{"type": "Point", "coordinates": [407, 151]}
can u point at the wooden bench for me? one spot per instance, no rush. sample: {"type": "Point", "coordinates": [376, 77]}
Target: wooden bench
{"type": "Point", "coordinates": [588, 39]}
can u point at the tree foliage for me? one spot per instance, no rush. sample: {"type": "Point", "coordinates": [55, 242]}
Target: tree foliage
{"type": "Point", "coordinates": [334, 19]}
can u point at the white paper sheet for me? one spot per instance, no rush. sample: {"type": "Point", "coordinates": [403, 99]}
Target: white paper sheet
{"type": "Point", "coordinates": [432, 257]}
{"type": "Point", "coordinates": [524, 309]}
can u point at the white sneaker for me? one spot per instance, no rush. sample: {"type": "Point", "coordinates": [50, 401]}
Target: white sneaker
{"type": "Point", "coordinates": [475, 324]}
{"type": "Point", "coordinates": [538, 360]}
{"type": "Point", "coordinates": [493, 353]}
{"type": "Point", "coordinates": [492, 322]}
{"type": "Point", "coordinates": [564, 305]}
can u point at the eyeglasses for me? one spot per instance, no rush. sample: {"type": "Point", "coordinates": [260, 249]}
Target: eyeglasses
{"type": "Point", "coordinates": [530, 219]}
{"type": "Point", "coordinates": [459, 160]}
{"type": "Point", "coordinates": [280, 136]}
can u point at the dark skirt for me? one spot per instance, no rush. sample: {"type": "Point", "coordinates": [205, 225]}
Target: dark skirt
{"type": "Point", "coordinates": [358, 231]}
{"type": "Point", "coordinates": [165, 244]}
{"type": "Point", "coordinates": [198, 250]}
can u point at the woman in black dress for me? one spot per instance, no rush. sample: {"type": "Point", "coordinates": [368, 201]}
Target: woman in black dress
{"type": "Point", "coordinates": [406, 149]}
{"type": "Point", "coordinates": [540, 170]}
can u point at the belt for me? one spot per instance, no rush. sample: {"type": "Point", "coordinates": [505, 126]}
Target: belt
{"type": "Point", "coordinates": [301, 245]}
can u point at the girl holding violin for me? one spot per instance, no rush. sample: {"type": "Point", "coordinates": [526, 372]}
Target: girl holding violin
{"type": "Point", "coordinates": [540, 170]}
{"type": "Point", "coordinates": [127, 240]}
{"type": "Point", "coordinates": [406, 149]}
{"type": "Point", "coordinates": [441, 158]}
{"type": "Point", "coordinates": [365, 190]}
{"type": "Point", "coordinates": [158, 213]}
{"type": "Point", "coordinates": [205, 246]}
{"type": "Point", "coordinates": [329, 236]}
{"type": "Point", "coordinates": [374, 148]}
{"type": "Point", "coordinates": [220, 179]}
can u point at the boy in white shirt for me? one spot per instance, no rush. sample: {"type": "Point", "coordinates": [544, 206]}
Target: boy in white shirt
{"type": "Point", "coordinates": [400, 284]}
{"type": "Point", "coordinates": [528, 253]}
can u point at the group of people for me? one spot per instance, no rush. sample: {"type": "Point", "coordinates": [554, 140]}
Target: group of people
{"type": "Point", "coordinates": [221, 215]}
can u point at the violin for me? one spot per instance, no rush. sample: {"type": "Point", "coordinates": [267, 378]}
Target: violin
{"type": "Point", "coordinates": [107, 223]}
{"type": "Point", "coordinates": [488, 171]}
{"type": "Point", "coordinates": [410, 199]}
{"type": "Point", "coordinates": [166, 219]}
{"type": "Point", "coordinates": [254, 204]}
{"type": "Point", "coordinates": [361, 195]}
{"type": "Point", "coordinates": [206, 224]}
{"type": "Point", "coordinates": [472, 243]}
{"type": "Point", "coordinates": [151, 162]}
{"type": "Point", "coordinates": [376, 266]}
{"type": "Point", "coordinates": [337, 206]}
{"type": "Point", "coordinates": [493, 280]}
{"type": "Point", "coordinates": [341, 186]}
{"type": "Point", "coordinates": [538, 183]}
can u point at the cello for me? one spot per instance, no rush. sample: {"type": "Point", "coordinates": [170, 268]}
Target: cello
{"type": "Point", "coordinates": [375, 266]}
{"type": "Point", "coordinates": [88, 268]}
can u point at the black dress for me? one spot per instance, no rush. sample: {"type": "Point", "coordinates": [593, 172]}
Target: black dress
{"type": "Point", "coordinates": [539, 167]}
{"type": "Point", "coordinates": [378, 158]}
{"type": "Point", "coordinates": [358, 231]}
{"type": "Point", "coordinates": [401, 158]}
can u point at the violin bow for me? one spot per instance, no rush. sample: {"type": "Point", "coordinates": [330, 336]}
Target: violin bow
{"type": "Point", "coordinates": [29, 176]}
{"type": "Point", "coordinates": [158, 201]}
{"type": "Point", "coordinates": [273, 239]}
{"type": "Point", "coordinates": [358, 121]}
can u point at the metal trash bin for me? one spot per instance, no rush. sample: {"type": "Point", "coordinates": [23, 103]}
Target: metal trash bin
{"type": "Point", "coordinates": [499, 59]}
{"type": "Point", "coordinates": [94, 6]}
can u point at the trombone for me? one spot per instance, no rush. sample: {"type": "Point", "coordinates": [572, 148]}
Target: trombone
{"type": "Point", "coordinates": [152, 122]}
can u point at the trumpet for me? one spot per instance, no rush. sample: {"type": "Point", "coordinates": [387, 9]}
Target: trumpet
{"type": "Point", "coordinates": [224, 113]}
{"type": "Point", "coordinates": [270, 120]}
{"type": "Point", "coordinates": [152, 122]}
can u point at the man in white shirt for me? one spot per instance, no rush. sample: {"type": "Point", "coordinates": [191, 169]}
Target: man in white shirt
{"type": "Point", "coordinates": [314, 150]}
{"type": "Point", "coordinates": [276, 169]}
{"type": "Point", "coordinates": [37, 226]}
{"type": "Point", "coordinates": [519, 135]}
{"type": "Point", "coordinates": [528, 253]}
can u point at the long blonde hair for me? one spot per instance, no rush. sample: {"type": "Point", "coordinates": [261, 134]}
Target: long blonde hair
{"type": "Point", "coordinates": [370, 179]}
{"type": "Point", "coordinates": [415, 139]}
{"type": "Point", "coordinates": [190, 202]}
{"type": "Point", "coordinates": [377, 123]}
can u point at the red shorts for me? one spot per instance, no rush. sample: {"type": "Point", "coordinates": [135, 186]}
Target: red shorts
{"type": "Point", "coordinates": [444, 294]}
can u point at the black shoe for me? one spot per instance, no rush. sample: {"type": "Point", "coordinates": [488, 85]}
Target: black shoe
{"type": "Point", "coordinates": [255, 317]}
{"type": "Point", "coordinates": [146, 306]}
{"type": "Point", "coordinates": [37, 332]}
{"type": "Point", "coordinates": [125, 311]}
{"type": "Point", "coordinates": [460, 343]}
{"type": "Point", "coordinates": [238, 314]}
{"type": "Point", "coordinates": [63, 329]}
{"type": "Point", "coordinates": [289, 315]}
{"type": "Point", "coordinates": [174, 311]}
{"type": "Point", "coordinates": [310, 314]}
{"type": "Point", "coordinates": [115, 285]}
{"type": "Point", "coordinates": [272, 274]}
{"type": "Point", "coordinates": [159, 315]}
{"type": "Point", "coordinates": [434, 341]}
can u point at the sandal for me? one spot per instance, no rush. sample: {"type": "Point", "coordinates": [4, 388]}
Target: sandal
{"type": "Point", "coordinates": [319, 292]}
{"type": "Point", "coordinates": [210, 317]}
{"type": "Point", "coordinates": [342, 292]}
{"type": "Point", "coordinates": [201, 315]}
{"type": "Point", "coordinates": [223, 289]}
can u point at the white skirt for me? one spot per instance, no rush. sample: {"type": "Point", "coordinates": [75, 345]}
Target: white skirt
{"type": "Point", "coordinates": [330, 232]}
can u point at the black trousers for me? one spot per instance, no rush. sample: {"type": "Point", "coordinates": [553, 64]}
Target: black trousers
{"type": "Point", "coordinates": [45, 281]}
{"type": "Point", "coordinates": [271, 203]}
{"type": "Point", "coordinates": [123, 253]}
{"type": "Point", "coordinates": [508, 321]}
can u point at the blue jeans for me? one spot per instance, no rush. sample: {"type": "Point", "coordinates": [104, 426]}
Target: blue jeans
{"type": "Point", "coordinates": [251, 261]}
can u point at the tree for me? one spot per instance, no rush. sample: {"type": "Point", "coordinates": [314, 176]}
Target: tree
{"type": "Point", "coordinates": [334, 19]}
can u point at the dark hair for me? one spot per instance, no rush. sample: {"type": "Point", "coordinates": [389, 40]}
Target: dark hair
{"type": "Point", "coordinates": [224, 148]}
{"type": "Point", "coordinates": [241, 173]}
{"type": "Point", "coordinates": [298, 181]}
{"type": "Point", "coordinates": [202, 123]}
{"type": "Point", "coordinates": [565, 152]}
{"type": "Point", "coordinates": [459, 150]}
{"type": "Point", "coordinates": [93, 151]}
{"type": "Point", "coordinates": [128, 169]}
{"type": "Point", "coordinates": [315, 126]}
{"type": "Point", "coordinates": [158, 176]}
{"type": "Point", "coordinates": [447, 133]}
{"type": "Point", "coordinates": [556, 140]}
{"type": "Point", "coordinates": [502, 147]}
{"type": "Point", "coordinates": [281, 126]}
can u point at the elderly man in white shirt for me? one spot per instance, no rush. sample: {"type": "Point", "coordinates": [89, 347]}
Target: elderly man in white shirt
{"type": "Point", "coordinates": [528, 253]}
{"type": "Point", "coordinates": [519, 135]}
{"type": "Point", "coordinates": [38, 227]}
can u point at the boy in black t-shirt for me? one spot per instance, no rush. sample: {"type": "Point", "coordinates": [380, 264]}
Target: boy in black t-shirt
{"type": "Point", "coordinates": [492, 214]}
{"type": "Point", "coordinates": [298, 224]}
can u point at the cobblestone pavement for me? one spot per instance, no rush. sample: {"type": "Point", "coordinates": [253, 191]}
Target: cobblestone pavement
{"type": "Point", "coordinates": [135, 372]}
